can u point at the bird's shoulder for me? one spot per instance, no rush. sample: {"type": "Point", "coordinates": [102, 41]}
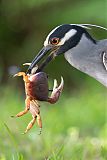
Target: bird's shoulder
{"type": "Point", "coordinates": [104, 56]}
{"type": "Point", "coordinates": [102, 50]}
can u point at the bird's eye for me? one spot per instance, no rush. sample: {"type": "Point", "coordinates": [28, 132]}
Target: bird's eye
{"type": "Point", "coordinates": [54, 41]}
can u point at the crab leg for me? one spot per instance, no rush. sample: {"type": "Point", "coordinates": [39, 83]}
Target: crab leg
{"type": "Point", "coordinates": [30, 125]}
{"type": "Point", "coordinates": [57, 90]}
{"type": "Point", "coordinates": [27, 102]}
{"type": "Point", "coordinates": [39, 121]}
{"type": "Point", "coordinates": [32, 122]}
{"type": "Point", "coordinates": [25, 77]}
{"type": "Point", "coordinates": [34, 109]}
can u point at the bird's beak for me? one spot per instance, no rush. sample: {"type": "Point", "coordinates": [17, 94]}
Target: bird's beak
{"type": "Point", "coordinates": [40, 56]}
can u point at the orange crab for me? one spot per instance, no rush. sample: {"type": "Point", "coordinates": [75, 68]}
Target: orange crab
{"type": "Point", "coordinates": [36, 89]}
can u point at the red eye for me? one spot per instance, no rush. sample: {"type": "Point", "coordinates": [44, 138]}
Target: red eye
{"type": "Point", "coordinates": [54, 41]}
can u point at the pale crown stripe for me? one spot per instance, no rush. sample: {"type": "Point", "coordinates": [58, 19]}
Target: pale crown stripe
{"type": "Point", "coordinates": [67, 36]}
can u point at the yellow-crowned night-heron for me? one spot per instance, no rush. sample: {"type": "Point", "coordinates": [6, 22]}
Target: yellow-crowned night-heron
{"type": "Point", "coordinates": [80, 49]}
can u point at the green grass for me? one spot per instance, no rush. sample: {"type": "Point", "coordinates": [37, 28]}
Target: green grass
{"type": "Point", "coordinates": [75, 128]}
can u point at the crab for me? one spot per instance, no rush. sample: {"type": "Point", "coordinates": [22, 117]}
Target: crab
{"type": "Point", "coordinates": [36, 89]}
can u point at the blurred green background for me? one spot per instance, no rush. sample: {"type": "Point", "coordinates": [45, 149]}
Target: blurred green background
{"type": "Point", "coordinates": [75, 128]}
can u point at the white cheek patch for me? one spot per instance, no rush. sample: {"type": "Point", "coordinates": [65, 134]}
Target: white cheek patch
{"type": "Point", "coordinates": [67, 36]}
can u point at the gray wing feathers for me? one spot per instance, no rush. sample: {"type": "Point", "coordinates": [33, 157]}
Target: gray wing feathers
{"type": "Point", "coordinates": [105, 60]}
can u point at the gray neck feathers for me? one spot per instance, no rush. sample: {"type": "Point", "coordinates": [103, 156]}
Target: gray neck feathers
{"type": "Point", "coordinates": [86, 58]}
{"type": "Point", "coordinates": [79, 54]}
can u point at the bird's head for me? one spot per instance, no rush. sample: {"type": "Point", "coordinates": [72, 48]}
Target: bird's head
{"type": "Point", "coordinates": [60, 40]}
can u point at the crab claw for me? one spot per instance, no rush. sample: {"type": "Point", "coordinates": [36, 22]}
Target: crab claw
{"type": "Point", "coordinates": [57, 90]}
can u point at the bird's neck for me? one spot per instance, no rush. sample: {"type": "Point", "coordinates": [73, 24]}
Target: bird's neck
{"type": "Point", "coordinates": [82, 56]}
{"type": "Point", "coordinates": [87, 57]}
{"type": "Point", "coordinates": [89, 38]}
{"type": "Point", "coordinates": [80, 52]}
